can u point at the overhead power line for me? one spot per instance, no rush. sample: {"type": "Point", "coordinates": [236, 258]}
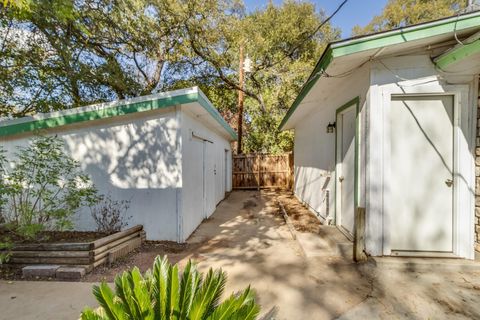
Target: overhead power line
{"type": "Point", "coordinates": [324, 22]}
{"type": "Point", "coordinates": [329, 18]}
{"type": "Point", "coordinates": [312, 34]}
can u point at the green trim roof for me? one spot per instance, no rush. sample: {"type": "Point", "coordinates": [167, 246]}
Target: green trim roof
{"type": "Point", "coordinates": [380, 40]}
{"type": "Point", "coordinates": [459, 52]}
{"type": "Point", "coordinates": [113, 109]}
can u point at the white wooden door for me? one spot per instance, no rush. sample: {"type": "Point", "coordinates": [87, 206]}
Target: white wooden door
{"type": "Point", "coordinates": [209, 178]}
{"type": "Point", "coordinates": [421, 179]}
{"type": "Point", "coordinates": [346, 121]}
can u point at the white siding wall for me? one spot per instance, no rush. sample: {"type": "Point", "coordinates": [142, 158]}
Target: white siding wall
{"type": "Point", "coordinates": [314, 149]}
{"type": "Point", "coordinates": [192, 192]}
{"type": "Point", "coordinates": [130, 158]}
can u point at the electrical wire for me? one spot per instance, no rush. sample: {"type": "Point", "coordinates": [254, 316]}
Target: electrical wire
{"type": "Point", "coordinates": [324, 22]}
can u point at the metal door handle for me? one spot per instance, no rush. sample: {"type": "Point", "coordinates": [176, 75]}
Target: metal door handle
{"type": "Point", "coordinates": [449, 182]}
{"type": "Point", "coordinates": [341, 178]}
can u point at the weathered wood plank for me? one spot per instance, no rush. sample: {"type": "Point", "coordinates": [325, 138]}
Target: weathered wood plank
{"type": "Point", "coordinates": [103, 241]}
{"type": "Point", "coordinates": [41, 260]}
{"type": "Point", "coordinates": [108, 246]}
{"type": "Point", "coordinates": [109, 251]}
{"type": "Point", "coordinates": [50, 254]}
{"type": "Point", "coordinates": [359, 236]}
{"type": "Point", "coordinates": [53, 246]}
{"type": "Point", "coordinates": [123, 249]}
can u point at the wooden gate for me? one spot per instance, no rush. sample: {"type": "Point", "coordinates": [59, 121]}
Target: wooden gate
{"type": "Point", "coordinates": [259, 170]}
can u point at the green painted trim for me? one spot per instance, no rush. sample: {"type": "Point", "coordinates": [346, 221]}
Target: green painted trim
{"type": "Point", "coordinates": [411, 33]}
{"type": "Point", "coordinates": [322, 64]}
{"type": "Point", "coordinates": [114, 111]}
{"type": "Point", "coordinates": [457, 54]}
{"type": "Point", "coordinates": [207, 105]}
{"type": "Point", "coordinates": [355, 102]}
{"type": "Point", "coordinates": [380, 40]}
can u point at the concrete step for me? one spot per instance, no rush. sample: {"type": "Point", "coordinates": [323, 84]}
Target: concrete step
{"type": "Point", "coordinates": [70, 273]}
{"type": "Point", "coordinates": [40, 271]}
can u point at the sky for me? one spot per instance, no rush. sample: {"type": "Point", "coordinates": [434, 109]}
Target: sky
{"type": "Point", "coordinates": [353, 12]}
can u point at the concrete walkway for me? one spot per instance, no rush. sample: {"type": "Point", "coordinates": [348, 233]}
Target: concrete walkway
{"type": "Point", "coordinates": [250, 241]}
{"type": "Point", "coordinates": [44, 300]}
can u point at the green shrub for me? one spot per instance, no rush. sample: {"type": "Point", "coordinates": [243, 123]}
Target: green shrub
{"type": "Point", "coordinates": [5, 246]}
{"type": "Point", "coordinates": [43, 189]}
{"type": "Point", "coordinates": [164, 295]}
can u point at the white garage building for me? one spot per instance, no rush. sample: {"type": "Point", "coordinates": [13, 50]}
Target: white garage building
{"type": "Point", "coordinates": [387, 123]}
{"type": "Point", "coordinates": [169, 153]}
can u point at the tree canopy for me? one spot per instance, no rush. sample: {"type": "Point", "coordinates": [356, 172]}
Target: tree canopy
{"type": "Point", "coordinates": [60, 54]}
{"type": "Point", "coordinates": [401, 13]}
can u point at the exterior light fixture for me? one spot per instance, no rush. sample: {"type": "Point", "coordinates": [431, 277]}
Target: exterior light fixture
{"type": "Point", "coordinates": [331, 127]}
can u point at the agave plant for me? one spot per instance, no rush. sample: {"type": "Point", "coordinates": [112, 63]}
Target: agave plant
{"type": "Point", "coordinates": [162, 294]}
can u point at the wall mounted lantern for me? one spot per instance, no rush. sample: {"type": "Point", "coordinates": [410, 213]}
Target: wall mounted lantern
{"type": "Point", "coordinates": [331, 127]}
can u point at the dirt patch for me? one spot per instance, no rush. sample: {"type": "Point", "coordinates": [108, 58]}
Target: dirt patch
{"type": "Point", "coordinates": [11, 272]}
{"type": "Point", "coordinates": [249, 204]}
{"type": "Point", "coordinates": [52, 236]}
{"type": "Point", "coordinates": [303, 220]}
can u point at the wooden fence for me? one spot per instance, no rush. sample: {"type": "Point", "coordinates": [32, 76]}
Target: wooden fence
{"type": "Point", "coordinates": [259, 170]}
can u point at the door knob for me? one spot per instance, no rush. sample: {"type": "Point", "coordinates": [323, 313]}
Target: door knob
{"type": "Point", "coordinates": [449, 182]}
{"type": "Point", "coordinates": [341, 178]}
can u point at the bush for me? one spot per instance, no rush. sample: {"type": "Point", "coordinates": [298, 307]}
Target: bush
{"type": "Point", "coordinates": [163, 295]}
{"type": "Point", "coordinates": [43, 189]}
{"type": "Point", "coordinates": [110, 215]}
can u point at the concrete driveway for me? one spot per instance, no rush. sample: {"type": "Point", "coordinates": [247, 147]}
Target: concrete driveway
{"type": "Point", "coordinates": [249, 239]}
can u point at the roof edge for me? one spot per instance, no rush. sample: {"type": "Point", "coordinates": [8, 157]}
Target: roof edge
{"type": "Point", "coordinates": [379, 40]}
{"type": "Point", "coordinates": [44, 121]}
{"type": "Point", "coordinates": [207, 105]}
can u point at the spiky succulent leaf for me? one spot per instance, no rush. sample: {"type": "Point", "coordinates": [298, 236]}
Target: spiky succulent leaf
{"type": "Point", "coordinates": [109, 302]}
{"type": "Point", "coordinates": [188, 289]}
{"type": "Point", "coordinates": [161, 295]}
{"type": "Point", "coordinates": [89, 314]}
{"type": "Point", "coordinates": [208, 296]}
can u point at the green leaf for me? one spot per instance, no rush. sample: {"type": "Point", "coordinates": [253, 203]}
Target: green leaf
{"type": "Point", "coordinates": [158, 295]}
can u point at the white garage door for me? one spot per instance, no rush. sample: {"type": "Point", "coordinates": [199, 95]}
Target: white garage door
{"type": "Point", "coordinates": [421, 185]}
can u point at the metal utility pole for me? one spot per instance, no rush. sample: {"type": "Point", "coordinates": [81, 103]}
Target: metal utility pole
{"type": "Point", "coordinates": [240, 103]}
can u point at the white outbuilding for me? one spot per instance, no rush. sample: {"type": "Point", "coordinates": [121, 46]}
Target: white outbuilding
{"type": "Point", "coordinates": [168, 153]}
{"type": "Point", "coordinates": [387, 124]}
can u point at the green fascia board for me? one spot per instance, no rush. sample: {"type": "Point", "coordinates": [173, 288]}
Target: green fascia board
{"type": "Point", "coordinates": [207, 105]}
{"type": "Point", "coordinates": [411, 33]}
{"type": "Point", "coordinates": [457, 54]}
{"type": "Point", "coordinates": [322, 64]}
{"type": "Point", "coordinates": [380, 40]}
{"type": "Point", "coordinates": [114, 111]}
